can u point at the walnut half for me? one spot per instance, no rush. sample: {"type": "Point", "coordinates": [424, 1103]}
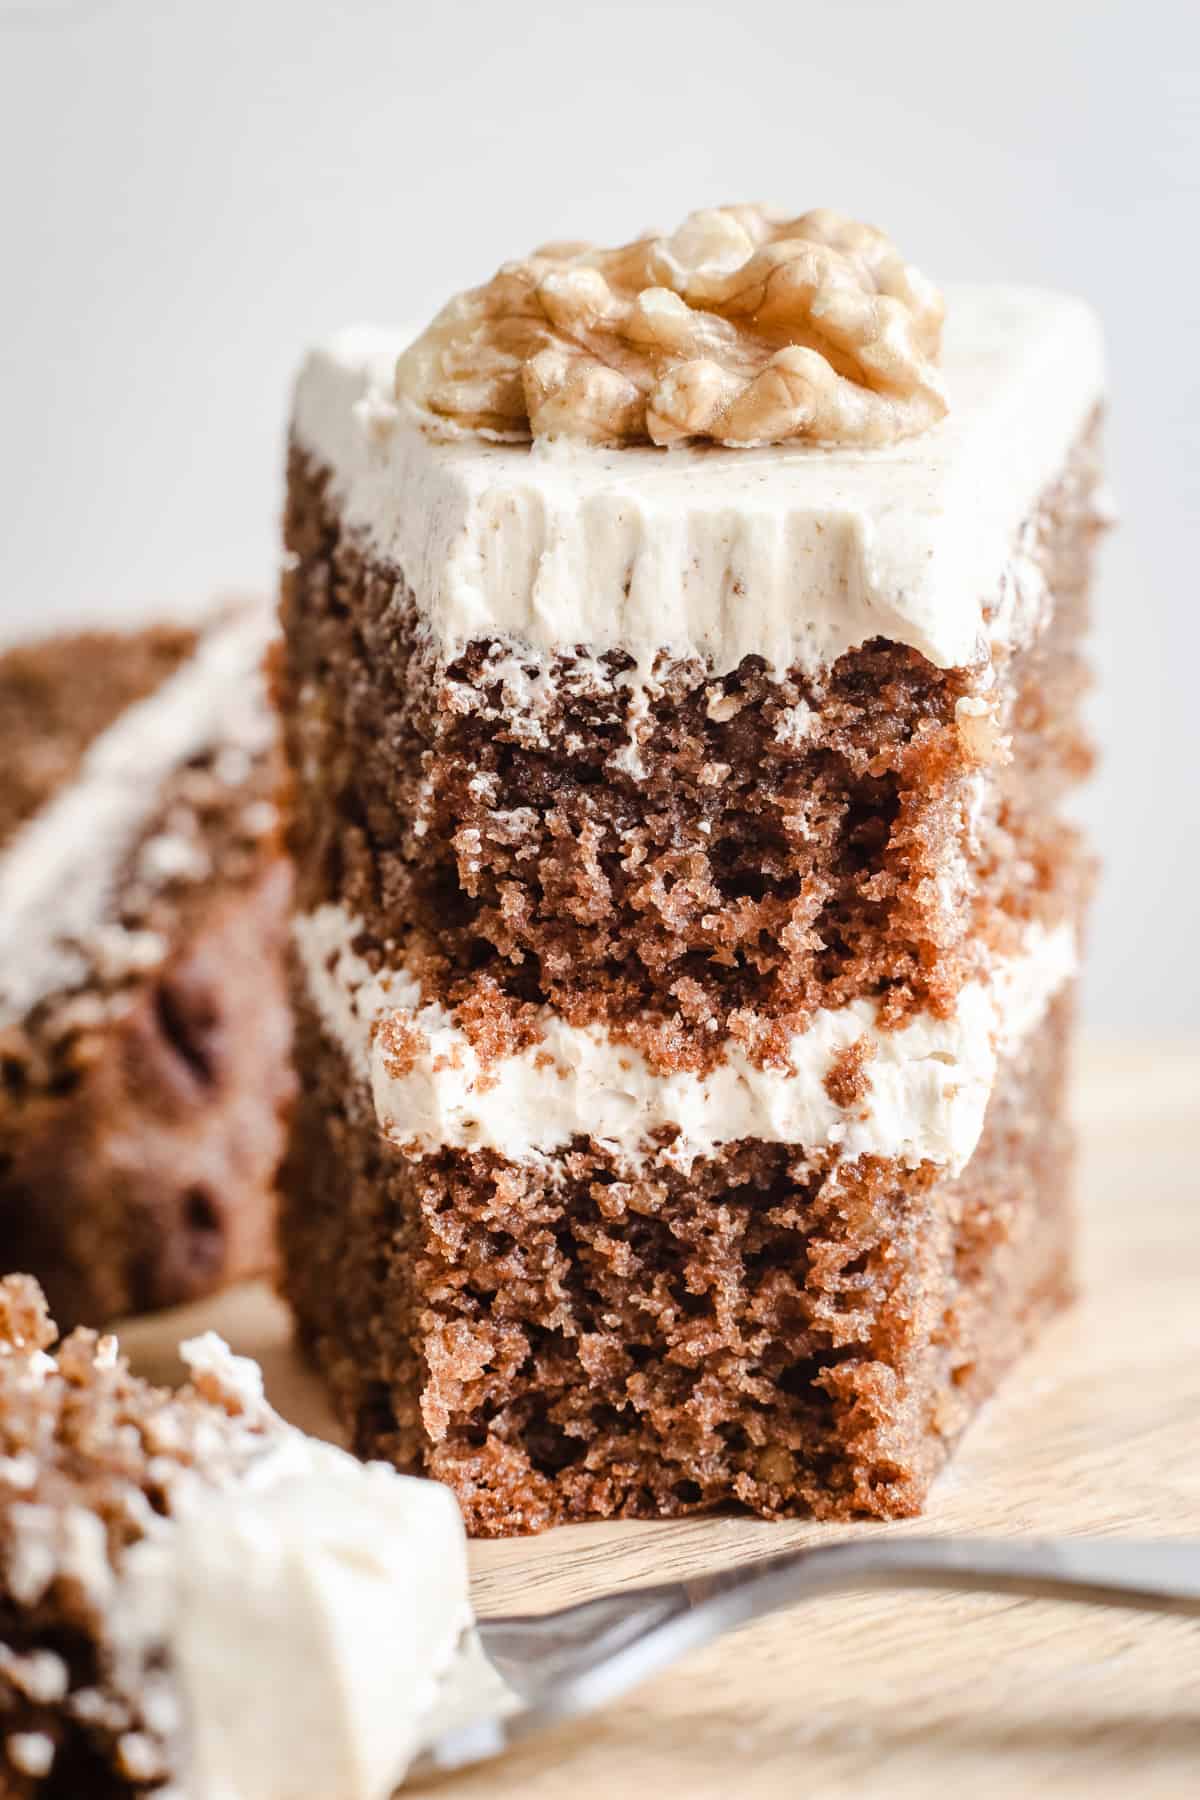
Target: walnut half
{"type": "Point", "coordinates": [743, 328]}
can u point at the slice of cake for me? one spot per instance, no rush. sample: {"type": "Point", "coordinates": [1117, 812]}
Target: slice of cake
{"type": "Point", "coordinates": [194, 1593]}
{"type": "Point", "coordinates": [144, 1026]}
{"type": "Point", "coordinates": [681, 690]}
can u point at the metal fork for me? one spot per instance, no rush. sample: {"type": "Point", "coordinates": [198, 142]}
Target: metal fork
{"type": "Point", "coordinates": [520, 1675]}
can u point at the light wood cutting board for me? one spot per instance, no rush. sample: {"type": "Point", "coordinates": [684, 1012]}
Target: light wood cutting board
{"type": "Point", "coordinates": [908, 1697]}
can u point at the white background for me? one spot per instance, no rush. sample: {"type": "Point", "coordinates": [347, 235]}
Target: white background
{"type": "Point", "coordinates": [195, 189]}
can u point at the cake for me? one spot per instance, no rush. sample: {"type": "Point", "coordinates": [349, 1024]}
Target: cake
{"type": "Point", "coordinates": [144, 1025]}
{"type": "Point", "coordinates": [681, 692]}
{"type": "Point", "coordinates": [197, 1598]}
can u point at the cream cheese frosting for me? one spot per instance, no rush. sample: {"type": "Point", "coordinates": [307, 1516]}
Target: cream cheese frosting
{"type": "Point", "coordinates": [58, 871]}
{"type": "Point", "coordinates": [928, 1082]}
{"type": "Point", "coordinates": [794, 554]}
{"type": "Point", "coordinates": [307, 1613]}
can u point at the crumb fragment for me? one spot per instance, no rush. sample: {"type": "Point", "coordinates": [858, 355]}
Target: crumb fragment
{"type": "Point", "coordinates": [32, 1752]}
{"type": "Point", "coordinates": [25, 1322]}
{"type": "Point", "coordinates": [848, 1080]}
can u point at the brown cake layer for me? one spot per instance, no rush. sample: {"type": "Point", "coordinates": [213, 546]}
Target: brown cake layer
{"type": "Point", "coordinates": [88, 1455]}
{"type": "Point", "coordinates": [565, 1339]}
{"type": "Point", "coordinates": [57, 696]}
{"type": "Point", "coordinates": [142, 1109]}
{"type": "Point", "coordinates": [768, 847]}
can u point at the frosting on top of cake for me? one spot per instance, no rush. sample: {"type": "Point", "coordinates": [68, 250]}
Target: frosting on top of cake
{"type": "Point", "coordinates": [791, 553]}
{"type": "Point", "coordinates": [927, 1084]}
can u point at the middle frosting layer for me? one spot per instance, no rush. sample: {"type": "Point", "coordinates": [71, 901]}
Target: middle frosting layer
{"type": "Point", "coordinates": [926, 1085]}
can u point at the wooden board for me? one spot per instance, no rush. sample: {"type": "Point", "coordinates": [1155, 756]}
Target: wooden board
{"type": "Point", "coordinates": [893, 1697]}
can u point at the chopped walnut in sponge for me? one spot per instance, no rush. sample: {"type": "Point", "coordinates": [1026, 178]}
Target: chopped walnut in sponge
{"type": "Point", "coordinates": [743, 328]}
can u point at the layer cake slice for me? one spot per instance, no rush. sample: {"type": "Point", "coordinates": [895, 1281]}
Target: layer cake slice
{"type": "Point", "coordinates": [681, 692]}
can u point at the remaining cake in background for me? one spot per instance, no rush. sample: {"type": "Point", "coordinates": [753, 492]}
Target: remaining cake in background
{"type": "Point", "coordinates": [193, 1593]}
{"type": "Point", "coordinates": [681, 688]}
{"type": "Point", "coordinates": [144, 1028]}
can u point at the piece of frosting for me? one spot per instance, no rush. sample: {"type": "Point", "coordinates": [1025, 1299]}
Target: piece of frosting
{"type": "Point", "coordinates": [58, 871]}
{"type": "Point", "coordinates": [928, 1082]}
{"type": "Point", "coordinates": [795, 554]}
{"type": "Point", "coordinates": [305, 1612]}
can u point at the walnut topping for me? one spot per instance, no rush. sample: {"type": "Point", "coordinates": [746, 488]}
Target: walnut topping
{"type": "Point", "coordinates": [743, 328]}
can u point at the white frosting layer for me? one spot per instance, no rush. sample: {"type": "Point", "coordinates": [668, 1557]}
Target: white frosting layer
{"type": "Point", "coordinates": [794, 554]}
{"type": "Point", "coordinates": [309, 1611]}
{"type": "Point", "coordinates": [929, 1082]}
{"type": "Point", "coordinates": [57, 872]}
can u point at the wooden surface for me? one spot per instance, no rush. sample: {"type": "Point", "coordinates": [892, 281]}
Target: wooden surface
{"type": "Point", "coordinates": [893, 1697]}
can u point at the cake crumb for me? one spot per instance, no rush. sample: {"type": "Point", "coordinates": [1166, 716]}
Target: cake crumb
{"type": "Point", "coordinates": [41, 1675]}
{"type": "Point", "coordinates": [31, 1751]}
{"type": "Point", "coordinates": [25, 1322]}
{"type": "Point", "coordinates": [140, 1758]}
{"type": "Point", "coordinates": [983, 741]}
{"type": "Point", "coordinates": [218, 1376]}
{"type": "Point", "coordinates": [847, 1081]}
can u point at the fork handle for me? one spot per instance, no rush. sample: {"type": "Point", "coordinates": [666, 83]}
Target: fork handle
{"type": "Point", "coordinates": [1159, 1574]}
{"type": "Point", "coordinates": [601, 1648]}
{"type": "Point", "coordinates": [677, 1617]}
